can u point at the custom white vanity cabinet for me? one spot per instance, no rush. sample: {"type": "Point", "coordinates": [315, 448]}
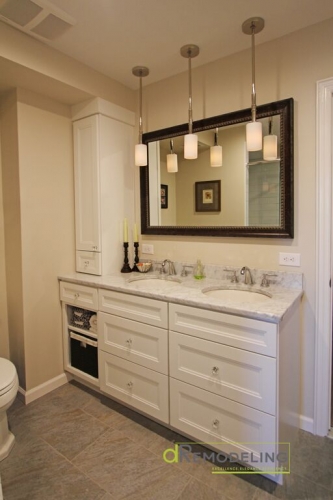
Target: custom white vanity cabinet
{"type": "Point", "coordinates": [229, 381]}
{"type": "Point", "coordinates": [133, 355]}
{"type": "Point", "coordinates": [234, 381]}
{"type": "Point", "coordinates": [104, 184]}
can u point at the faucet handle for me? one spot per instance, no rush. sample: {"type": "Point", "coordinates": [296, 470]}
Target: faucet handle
{"type": "Point", "coordinates": [266, 282]}
{"type": "Point", "coordinates": [184, 271]}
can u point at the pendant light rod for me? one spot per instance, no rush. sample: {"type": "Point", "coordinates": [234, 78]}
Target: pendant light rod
{"type": "Point", "coordinates": [251, 27]}
{"type": "Point", "coordinates": [190, 51]}
{"type": "Point", "coordinates": [140, 71]}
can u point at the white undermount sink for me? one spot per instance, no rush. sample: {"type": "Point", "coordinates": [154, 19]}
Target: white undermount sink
{"type": "Point", "coordinates": [238, 296]}
{"type": "Point", "coordinates": [144, 282]}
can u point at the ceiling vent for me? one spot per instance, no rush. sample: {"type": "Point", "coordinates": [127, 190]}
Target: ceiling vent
{"type": "Point", "coordinates": [38, 18]}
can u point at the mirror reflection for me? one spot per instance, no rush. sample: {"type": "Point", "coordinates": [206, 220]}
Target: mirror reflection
{"type": "Point", "coordinates": [250, 194]}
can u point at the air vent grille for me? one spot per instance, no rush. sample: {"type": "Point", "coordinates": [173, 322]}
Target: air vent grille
{"type": "Point", "coordinates": [36, 17]}
{"type": "Point", "coordinates": [20, 11]}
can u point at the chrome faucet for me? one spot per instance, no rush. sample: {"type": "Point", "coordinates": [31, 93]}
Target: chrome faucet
{"type": "Point", "coordinates": [245, 271]}
{"type": "Point", "coordinates": [171, 267]}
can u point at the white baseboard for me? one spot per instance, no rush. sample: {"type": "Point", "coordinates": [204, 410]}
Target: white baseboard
{"type": "Point", "coordinates": [306, 424]}
{"type": "Point", "coordinates": [39, 391]}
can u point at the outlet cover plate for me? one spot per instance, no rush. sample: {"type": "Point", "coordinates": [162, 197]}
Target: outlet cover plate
{"type": "Point", "coordinates": [290, 259]}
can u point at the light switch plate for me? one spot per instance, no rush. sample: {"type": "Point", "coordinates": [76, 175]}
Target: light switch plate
{"type": "Point", "coordinates": [149, 249]}
{"type": "Point", "coordinates": [290, 259]}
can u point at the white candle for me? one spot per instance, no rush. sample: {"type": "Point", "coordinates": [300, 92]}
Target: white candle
{"type": "Point", "coordinates": [135, 234]}
{"type": "Point", "coordinates": [125, 231]}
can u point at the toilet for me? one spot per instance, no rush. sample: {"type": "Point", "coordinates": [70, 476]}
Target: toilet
{"type": "Point", "coordinates": [8, 390]}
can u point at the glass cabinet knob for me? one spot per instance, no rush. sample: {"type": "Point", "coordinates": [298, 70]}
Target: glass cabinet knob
{"type": "Point", "coordinates": [216, 423]}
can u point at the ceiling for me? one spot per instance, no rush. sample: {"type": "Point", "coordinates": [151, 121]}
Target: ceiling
{"type": "Point", "coordinates": [112, 36]}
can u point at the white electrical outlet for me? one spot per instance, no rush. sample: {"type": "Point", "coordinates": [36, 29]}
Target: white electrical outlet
{"type": "Point", "coordinates": [147, 248]}
{"type": "Point", "coordinates": [290, 259]}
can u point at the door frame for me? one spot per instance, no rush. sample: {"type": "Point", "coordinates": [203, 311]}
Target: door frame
{"type": "Point", "coordinates": [324, 219]}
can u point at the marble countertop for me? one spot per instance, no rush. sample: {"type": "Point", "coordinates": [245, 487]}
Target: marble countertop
{"type": "Point", "coordinates": [189, 292]}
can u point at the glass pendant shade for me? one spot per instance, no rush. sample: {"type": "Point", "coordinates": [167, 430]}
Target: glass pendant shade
{"type": "Point", "coordinates": [172, 163]}
{"type": "Point", "coordinates": [270, 147]}
{"type": "Point", "coordinates": [191, 147]}
{"type": "Point", "coordinates": [140, 152]}
{"type": "Point", "coordinates": [216, 156]}
{"type": "Point", "coordinates": [140, 157]}
{"type": "Point", "coordinates": [254, 136]}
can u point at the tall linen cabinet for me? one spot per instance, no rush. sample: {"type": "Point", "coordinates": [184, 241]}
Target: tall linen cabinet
{"type": "Point", "coordinates": [104, 183]}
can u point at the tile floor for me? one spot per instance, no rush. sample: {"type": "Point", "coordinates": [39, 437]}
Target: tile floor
{"type": "Point", "coordinates": [75, 444]}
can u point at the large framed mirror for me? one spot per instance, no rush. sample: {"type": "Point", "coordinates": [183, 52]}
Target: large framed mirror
{"type": "Point", "coordinates": [246, 196]}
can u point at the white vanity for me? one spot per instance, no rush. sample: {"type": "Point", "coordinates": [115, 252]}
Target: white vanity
{"type": "Point", "coordinates": [216, 371]}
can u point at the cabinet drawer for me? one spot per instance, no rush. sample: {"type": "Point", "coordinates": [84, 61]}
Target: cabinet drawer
{"type": "Point", "coordinates": [134, 385]}
{"type": "Point", "coordinates": [233, 373]}
{"type": "Point", "coordinates": [150, 311]}
{"type": "Point", "coordinates": [89, 262]}
{"type": "Point", "coordinates": [143, 344]}
{"type": "Point", "coordinates": [228, 426]}
{"type": "Point", "coordinates": [79, 295]}
{"type": "Point", "coordinates": [250, 334]}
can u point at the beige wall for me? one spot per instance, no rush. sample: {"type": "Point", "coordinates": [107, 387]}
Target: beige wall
{"type": "Point", "coordinates": [4, 337]}
{"type": "Point", "coordinates": [12, 226]}
{"type": "Point", "coordinates": [287, 67]}
{"type": "Point", "coordinates": [43, 220]}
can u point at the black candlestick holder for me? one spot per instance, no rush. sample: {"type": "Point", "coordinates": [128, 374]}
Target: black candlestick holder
{"type": "Point", "coordinates": [136, 258]}
{"type": "Point", "coordinates": [126, 267]}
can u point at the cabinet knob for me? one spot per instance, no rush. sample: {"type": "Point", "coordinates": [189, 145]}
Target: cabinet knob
{"type": "Point", "coordinates": [215, 370]}
{"type": "Point", "coordinates": [129, 342]}
{"type": "Point", "coordinates": [216, 423]}
{"type": "Point", "coordinates": [130, 385]}
{"type": "Point", "coordinates": [76, 295]}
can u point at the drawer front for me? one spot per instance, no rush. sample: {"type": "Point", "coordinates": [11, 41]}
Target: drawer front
{"type": "Point", "coordinates": [89, 262]}
{"type": "Point", "coordinates": [143, 344]}
{"type": "Point", "coordinates": [233, 373]}
{"type": "Point", "coordinates": [79, 295]}
{"type": "Point", "coordinates": [230, 427]}
{"type": "Point", "coordinates": [250, 334]}
{"type": "Point", "coordinates": [134, 385]}
{"type": "Point", "coordinates": [149, 311]}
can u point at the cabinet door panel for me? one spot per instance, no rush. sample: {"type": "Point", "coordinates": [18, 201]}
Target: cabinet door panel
{"type": "Point", "coordinates": [228, 426]}
{"type": "Point", "coordinates": [244, 333]}
{"type": "Point", "coordinates": [143, 344]}
{"type": "Point", "coordinates": [87, 185]}
{"type": "Point", "coordinates": [134, 385]}
{"type": "Point", "coordinates": [233, 373]}
{"type": "Point", "coordinates": [89, 262]}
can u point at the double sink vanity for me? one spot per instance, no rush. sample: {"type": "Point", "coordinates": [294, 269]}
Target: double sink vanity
{"type": "Point", "coordinates": [215, 360]}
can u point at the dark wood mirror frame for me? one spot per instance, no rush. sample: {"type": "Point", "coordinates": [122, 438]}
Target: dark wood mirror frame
{"type": "Point", "coordinates": [285, 109]}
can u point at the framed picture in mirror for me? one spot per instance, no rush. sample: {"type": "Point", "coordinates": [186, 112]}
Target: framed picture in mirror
{"type": "Point", "coordinates": [208, 196]}
{"type": "Point", "coordinates": [164, 196]}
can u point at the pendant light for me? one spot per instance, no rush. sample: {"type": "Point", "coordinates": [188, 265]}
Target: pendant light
{"type": "Point", "coordinates": [216, 152]}
{"type": "Point", "coordinates": [140, 158]}
{"type": "Point", "coordinates": [191, 140]}
{"type": "Point", "coordinates": [251, 27]}
{"type": "Point", "coordinates": [270, 144]}
{"type": "Point", "coordinates": [172, 160]}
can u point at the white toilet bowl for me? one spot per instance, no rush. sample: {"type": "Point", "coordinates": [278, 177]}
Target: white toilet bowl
{"type": "Point", "coordinates": [8, 390]}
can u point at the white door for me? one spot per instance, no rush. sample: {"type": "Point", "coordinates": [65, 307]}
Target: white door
{"type": "Point", "coordinates": [87, 185]}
